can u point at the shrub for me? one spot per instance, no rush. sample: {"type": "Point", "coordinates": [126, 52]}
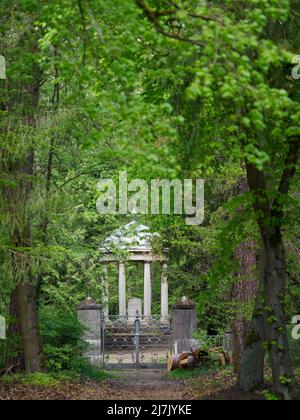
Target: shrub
{"type": "Point", "coordinates": [61, 335]}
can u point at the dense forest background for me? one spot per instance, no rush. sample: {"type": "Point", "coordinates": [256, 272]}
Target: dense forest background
{"type": "Point", "coordinates": [160, 89]}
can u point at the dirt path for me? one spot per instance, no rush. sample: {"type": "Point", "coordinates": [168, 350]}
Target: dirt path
{"type": "Point", "coordinates": [126, 385]}
{"type": "Point", "coordinates": [149, 385]}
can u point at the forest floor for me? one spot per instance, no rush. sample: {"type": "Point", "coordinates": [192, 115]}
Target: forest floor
{"type": "Point", "coordinates": [135, 385]}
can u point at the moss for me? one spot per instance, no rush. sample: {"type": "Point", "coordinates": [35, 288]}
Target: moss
{"type": "Point", "coordinates": [253, 338]}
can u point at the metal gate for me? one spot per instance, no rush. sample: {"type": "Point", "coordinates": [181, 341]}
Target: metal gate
{"type": "Point", "coordinates": [135, 343]}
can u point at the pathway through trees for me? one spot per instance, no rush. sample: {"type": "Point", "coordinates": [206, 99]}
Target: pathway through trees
{"type": "Point", "coordinates": [126, 385]}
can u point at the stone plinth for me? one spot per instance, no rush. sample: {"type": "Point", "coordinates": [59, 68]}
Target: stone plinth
{"type": "Point", "coordinates": [184, 325]}
{"type": "Point", "coordinates": [89, 315]}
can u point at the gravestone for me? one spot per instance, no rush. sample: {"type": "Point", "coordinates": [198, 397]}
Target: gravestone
{"type": "Point", "coordinates": [184, 325]}
{"type": "Point", "coordinates": [2, 328]}
{"type": "Point", "coordinates": [89, 315]}
{"type": "Point", "coordinates": [134, 305]}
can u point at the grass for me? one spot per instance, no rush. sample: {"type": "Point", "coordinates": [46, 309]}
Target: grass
{"type": "Point", "coordinates": [35, 379]}
{"type": "Point", "coordinates": [54, 379]}
{"type": "Point", "coordinates": [183, 374]}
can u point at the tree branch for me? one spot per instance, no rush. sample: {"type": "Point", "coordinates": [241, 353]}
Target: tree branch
{"type": "Point", "coordinates": [290, 166]}
{"type": "Point", "coordinates": [153, 17]}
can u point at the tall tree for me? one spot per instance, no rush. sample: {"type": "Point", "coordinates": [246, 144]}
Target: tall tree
{"type": "Point", "coordinates": [244, 72]}
{"type": "Point", "coordinates": [22, 99]}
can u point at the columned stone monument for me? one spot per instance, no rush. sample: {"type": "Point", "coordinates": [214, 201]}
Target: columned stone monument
{"type": "Point", "coordinates": [136, 240]}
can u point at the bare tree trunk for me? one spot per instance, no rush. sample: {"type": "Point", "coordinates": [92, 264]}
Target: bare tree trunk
{"type": "Point", "coordinates": [270, 218]}
{"type": "Point", "coordinates": [244, 289]}
{"type": "Point", "coordinates": [243, 294]}
{"type": "Point", "coordinates": [14, 354]}
{"type": "Point", "coordinates": [32, 347]}
{"type": "Point", "coordinates": [276, 323]}
{"type": "Point", "coordinates": [251, 374]}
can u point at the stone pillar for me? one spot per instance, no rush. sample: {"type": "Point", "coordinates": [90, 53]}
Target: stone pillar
{"type": "Point", "coordinates": [122, 291]}
{"type": "Point", "coordinates": [184, 325]}
{"type": "Point", "coordinates": [89, 315]}
{"type": "Point", "coordinates": [147, 291]}
{"type": "Point", "coordinates": [164, 295]}
{"type": "Point", "coordinates": [105, 293]}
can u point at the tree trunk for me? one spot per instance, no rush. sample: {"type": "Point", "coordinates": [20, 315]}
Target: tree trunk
{"type": "Point", "coordinates": [276, 329]}
{"type": "Point", "coordinates": [32, 346]}
{"type": "Point", "coordinates": [14, 354]}
{"type": "Point", "coordinates": [244, 290]}
{"type": "Point", "coordinates": [251, 375]}
{"type": "Point", "coordinates": [270, 218]}
{"type": "Point", "coordinates": [25, 104]}
{"type": "Point", "coordinates": [243, 294]}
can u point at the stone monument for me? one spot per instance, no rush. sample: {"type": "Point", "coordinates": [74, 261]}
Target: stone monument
{"type": "Point", "coordinates": [134, 306]}
{"type": "Point", "coordinates": [184, 325]}
{"type": "Point", "coordinates": [89, 315]}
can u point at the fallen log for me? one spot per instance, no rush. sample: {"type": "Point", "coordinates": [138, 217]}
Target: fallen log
{"type": "Point", "coordinates": [190, 360]}
{"type": "Point", "coordinates": [173, 362]}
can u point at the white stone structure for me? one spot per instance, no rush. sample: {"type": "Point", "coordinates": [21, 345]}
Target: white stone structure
{"type": "Point", "coordinates": [135, 240]}
{"type": "Point", "coordinates": [134, 306]}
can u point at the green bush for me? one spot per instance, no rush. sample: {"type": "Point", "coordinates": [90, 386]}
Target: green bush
{"type": "Point", "coordinates": [61, 335]}
{"type": "Point", "coordinates": [63, 346]}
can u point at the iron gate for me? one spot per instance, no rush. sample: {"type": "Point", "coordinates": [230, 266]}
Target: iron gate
{"type": "Point", "coordinates": [135, 343]}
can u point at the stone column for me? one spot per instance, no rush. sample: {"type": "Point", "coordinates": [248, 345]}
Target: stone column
{"type": "Point", "coordinates": [147, 291]}
{"type": "Point", "coordinates": [89, 315]}
{"type": "Point", "coordinates": [105, 293]}
{"type": "Point", "coordinates": [164, 295]}
{"type": "Point", "coordinates": [184, 325]}
{"type": "Point", "coordinates": [122, 291]}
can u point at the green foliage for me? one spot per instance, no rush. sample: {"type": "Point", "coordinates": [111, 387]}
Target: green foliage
{"type": "Point", "coordinates": [185, 374]}
{"type": "Point", "coordinates": [61, 334]}
{"type": "Point", "coordinates": [115, 95]}
{"type": "Point", "coordinates": [269, 396]}
{"type": "Point", "coordinates": [35, 379]}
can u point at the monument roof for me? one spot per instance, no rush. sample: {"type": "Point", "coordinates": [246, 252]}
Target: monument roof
{"type": "Point", "coordinates": [134, 236]}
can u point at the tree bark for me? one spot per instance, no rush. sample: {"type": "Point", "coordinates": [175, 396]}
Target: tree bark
{"type": "Point", "coordinates": [276, 329]}
{"type": "Point", "coordinates": [251, 374]}
{"type": "Point", "coordinates": [243, 293]}
{"type": "Point", "coordinates": [14, 354]}
{"type": "Point", "coordinates": [25, 104]}
{"type": "Point", "coordinates": [30, 334]}
{"type": "Point", "coordinates": [244, 289]}
{"type": "Point", "coordinates": [270, 218]}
